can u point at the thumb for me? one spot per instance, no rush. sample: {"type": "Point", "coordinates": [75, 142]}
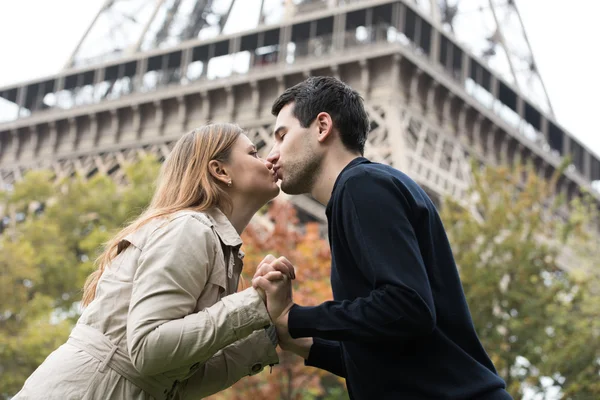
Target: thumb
{"type": "Point", "coordinates": [261, 283]}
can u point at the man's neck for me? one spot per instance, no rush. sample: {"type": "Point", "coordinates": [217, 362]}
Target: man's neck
{"type": "Point", "coordinates": [331, 168]}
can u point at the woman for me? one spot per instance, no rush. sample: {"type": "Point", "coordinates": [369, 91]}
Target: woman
{"type": "Point", "coordinates": [162, 318]}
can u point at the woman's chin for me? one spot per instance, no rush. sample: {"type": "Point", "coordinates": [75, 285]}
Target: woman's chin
{"type": "Point", "coordinates": [267, 195]}
{"type": "Point", "coordinates": [276, 191]}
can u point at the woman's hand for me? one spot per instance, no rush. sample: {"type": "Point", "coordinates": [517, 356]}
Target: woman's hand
{"type": "Point", "coordinates": [268, 264]}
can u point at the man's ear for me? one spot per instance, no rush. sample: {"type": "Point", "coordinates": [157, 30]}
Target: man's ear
{"type": "Point", "coordinates": [218, 171]}
{"type": "Point", "coordinates": [324, 125]}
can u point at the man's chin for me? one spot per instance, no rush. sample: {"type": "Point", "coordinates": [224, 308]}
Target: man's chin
{"type": "Point", "coordinates": [292, 189]}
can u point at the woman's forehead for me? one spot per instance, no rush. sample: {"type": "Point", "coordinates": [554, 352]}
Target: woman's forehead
{"type": "Point", "coordinates": [244, 142]}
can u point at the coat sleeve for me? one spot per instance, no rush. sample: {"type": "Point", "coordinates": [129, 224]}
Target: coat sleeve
{"type": "Point", "coordinates": [163, 331]}
{"type": "Point", "coordinates": [243, 358]}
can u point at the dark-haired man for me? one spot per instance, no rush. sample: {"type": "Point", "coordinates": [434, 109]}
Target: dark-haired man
{"type": "Point", "coordinates": [399, 326]}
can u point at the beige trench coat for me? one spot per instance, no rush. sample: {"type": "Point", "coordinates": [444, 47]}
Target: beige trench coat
{"type": "Point", "coordinates": [166, 322]}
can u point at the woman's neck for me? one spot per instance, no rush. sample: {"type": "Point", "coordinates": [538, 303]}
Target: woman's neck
{"type": "Point", "coordinates": [241, 214]}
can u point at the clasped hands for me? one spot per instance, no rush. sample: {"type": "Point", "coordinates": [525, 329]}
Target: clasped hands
{"type": "Point", "coordinates": [273, 281]}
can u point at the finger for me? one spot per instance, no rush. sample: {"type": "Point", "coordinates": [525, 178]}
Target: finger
{"type": "Point", "coordinates": [275, 276]}
{"type": "Point", "coordinates": [290, 266]}
{"type": "Point", "coordinates": [268, 281]}
{"type": "Point", "coordinates": [284, 266]}
{"type": "Point", "coordinates": [262, 283]}
{"type": "Point", "coordinates": [268, 259]}
{"type": "Point", "coordinates": [263, 269]}
{"type": "Point", "coordinates": [280, 267]}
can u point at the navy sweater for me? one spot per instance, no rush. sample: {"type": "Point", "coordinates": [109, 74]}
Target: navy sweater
{"type": "Point", "coordinates": [399, 326]}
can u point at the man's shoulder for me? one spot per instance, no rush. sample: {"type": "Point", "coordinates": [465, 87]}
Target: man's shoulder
{"type": "Point", "coordinates": [373, 174]}
{"type": "Point", "coordinates": [379, 182]}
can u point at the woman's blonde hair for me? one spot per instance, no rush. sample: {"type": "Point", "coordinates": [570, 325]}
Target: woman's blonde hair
{"type": "Point", "coordinates": [184, 183]}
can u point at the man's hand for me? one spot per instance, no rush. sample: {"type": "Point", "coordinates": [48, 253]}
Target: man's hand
{"type": "Point", "coordinates": [280, 268]}
{"type": "Point", "coordinates": [278, 289]}
{"type": "Point", "coordinates": [279, 302]}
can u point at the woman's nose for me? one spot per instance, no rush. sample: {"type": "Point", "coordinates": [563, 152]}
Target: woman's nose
{"type": "Point", "coordinates": [268, 164]}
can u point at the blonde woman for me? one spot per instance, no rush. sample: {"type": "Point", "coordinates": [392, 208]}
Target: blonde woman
{"type": "Point", "coordinates": [162, 318]}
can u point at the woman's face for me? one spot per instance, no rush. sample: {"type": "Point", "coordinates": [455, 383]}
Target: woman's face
{"type": "Point", "coordinates": [251, 176]}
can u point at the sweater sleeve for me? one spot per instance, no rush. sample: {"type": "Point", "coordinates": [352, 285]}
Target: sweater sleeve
{"type": "Point", "coordinates": [327, 355]}
{"type": "Point", "coordinates": [374, 214]}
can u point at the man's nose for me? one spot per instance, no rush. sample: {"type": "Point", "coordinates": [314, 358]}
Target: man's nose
{"type": "Point", "coordinates": [273, 156]}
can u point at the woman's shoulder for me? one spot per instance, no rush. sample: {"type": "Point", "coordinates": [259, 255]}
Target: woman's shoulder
{"type": "Point", "coordinates": [183, 216]}
{"type": "Point", "coordinates": [186, 223]}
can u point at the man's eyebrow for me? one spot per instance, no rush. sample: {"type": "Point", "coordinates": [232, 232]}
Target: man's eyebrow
{"type": "Point", "coordinates": [278, 130]}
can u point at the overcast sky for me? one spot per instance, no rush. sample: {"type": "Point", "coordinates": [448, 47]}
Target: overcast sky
{"type": "Point", "coordinates": [37, 37]}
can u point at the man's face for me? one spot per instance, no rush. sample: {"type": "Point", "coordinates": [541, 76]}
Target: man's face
{"type": "Point", "coordinates": [296, 155]}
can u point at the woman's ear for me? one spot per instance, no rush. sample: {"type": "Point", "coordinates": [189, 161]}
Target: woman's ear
{"type": "Point", "coordinates": [218, 171]}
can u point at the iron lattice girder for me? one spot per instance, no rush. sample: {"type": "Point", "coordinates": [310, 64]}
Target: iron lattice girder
{"type": "Point", "coordinates": [490, 29]}
{"type": "Point", "coordinates": [494, 31]}
{"type": "Point", "coordinates": [330, 32]}
{"type": "Point", "coordinates": [428, 160]}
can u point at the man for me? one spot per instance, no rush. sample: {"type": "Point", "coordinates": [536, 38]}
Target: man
{"type": "Point", "coordinates": [399, 326]}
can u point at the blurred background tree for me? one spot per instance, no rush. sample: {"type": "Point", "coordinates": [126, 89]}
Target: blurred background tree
{"type": "Point", "coordinates": [540, 323]}
{"type": "Point", "coordinates": [538, 320]}
{"type": "Point", "coordinates": [47, 249]}
{"type": "Point", "coordinates": [303, 245]}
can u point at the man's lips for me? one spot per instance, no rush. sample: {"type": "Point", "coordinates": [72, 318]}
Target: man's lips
{"type": "Point", "coordinates": [275, 176]}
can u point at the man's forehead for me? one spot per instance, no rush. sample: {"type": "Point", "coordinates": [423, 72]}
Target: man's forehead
{"type": "Point", "coordinates": [284, 115]}
{"type": "Point", "coordinates": [286, 111]}
{"type": "Point", "coordinates": [282, 123]}
{"type": "Point", "coordinates": [286, 119]}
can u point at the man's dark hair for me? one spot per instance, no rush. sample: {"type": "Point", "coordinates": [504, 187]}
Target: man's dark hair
{"type": "Point", "coordinates": [328, 94]}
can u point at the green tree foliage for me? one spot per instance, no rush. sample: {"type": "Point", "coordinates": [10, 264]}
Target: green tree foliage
{"type": "Point", "coordinates": [538, 319]}
{"type": "Point", "coordinates": [535, 319]}
{"type": "Point", "coordinates": [55, 232]}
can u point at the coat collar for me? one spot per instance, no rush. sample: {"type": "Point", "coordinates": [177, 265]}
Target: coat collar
{"type": "Point", "coordinates": [223, 227]}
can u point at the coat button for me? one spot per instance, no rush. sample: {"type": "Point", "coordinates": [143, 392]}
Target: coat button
{"type": "Point", "coordinates": [256, 368]}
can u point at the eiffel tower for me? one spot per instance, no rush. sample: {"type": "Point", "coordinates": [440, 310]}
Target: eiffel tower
{"type": "Point", "coordinates": [443, 81]}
